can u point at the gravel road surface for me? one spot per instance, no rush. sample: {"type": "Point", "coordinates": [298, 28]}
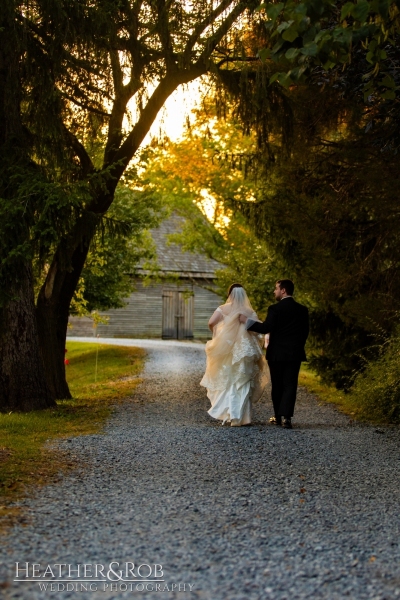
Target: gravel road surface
{"type": "Point", "coordinates": [231, 513]}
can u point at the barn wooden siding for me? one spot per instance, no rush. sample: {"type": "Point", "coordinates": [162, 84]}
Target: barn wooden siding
{"type": "Point", "coordinates": [142, 317]}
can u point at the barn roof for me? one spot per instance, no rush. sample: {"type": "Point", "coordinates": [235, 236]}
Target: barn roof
{"type": "Point", "coordinates": [172, 259]}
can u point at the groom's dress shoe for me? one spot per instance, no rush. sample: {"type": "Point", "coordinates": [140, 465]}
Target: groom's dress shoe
{"type": "Point", "coordinates": [287, 423]}
{"type": "Point", "coordinates": [275, 421]}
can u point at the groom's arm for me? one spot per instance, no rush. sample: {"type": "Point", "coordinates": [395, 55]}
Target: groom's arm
{"type": "Point", "coordinates": [265, 327]}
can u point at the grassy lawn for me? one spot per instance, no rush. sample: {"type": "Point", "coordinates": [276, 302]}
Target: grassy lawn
{"type": "Point", "coordinates": [23, 458]}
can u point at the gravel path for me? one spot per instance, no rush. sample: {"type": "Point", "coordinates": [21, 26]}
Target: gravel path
{"type": "Point", "coordinates": [238, 513]}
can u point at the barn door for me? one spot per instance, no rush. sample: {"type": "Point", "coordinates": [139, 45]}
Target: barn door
{"type": "Point", "coordinates": [185, 316]}
{"type": "Point", "coordinates": [168, 315]}
{"type": "Point", "coordinates": [178, 315]}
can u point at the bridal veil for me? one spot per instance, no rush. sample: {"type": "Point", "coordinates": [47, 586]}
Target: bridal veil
{"type": "Point", "coordinates": [236, 371]}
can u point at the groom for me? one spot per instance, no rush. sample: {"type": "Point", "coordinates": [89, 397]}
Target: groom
{"type": "Point", "coordinates": [287, 324]}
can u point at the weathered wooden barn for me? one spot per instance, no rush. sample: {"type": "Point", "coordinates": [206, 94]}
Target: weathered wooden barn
{"type": "Point", "coordinates": [177, 308]}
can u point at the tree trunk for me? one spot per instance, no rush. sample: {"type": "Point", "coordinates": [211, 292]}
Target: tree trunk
{"type": "Point", "coordinates": [52, 327]}
{"type": "Point", "coordinates": [22, 379]}
{"type": "Point", "coordinates": [52, 312]}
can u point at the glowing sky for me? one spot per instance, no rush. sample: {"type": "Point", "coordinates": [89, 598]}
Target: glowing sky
{"type": "Point", "coordinates": [172, 118]}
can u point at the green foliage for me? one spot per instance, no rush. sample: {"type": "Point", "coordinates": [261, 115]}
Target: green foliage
{"type": "Point", "coordinates": [312, 215]}
{"type": "Point", "coordinates": [250, 263]}
{"type": "Point", "coordinates": [107, 278]}
{"type": "Point", "coordinates": [41, 195]}
{"type": "Point", "coordinates": [325, 197]}
{"type": "Point", "coordinates": [332, 206]}
{"type": "Point", "coordinates": [375, 394]}
{"type": "Point", "coordinates": [328, 34]}
{"type": "Point", "coordinates": [35, 213]}
{"type": "Point", "coordinates": [336, 347]}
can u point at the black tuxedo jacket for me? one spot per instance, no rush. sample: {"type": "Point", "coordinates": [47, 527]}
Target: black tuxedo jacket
{"type": "Point", "coordinates": [288, 326]}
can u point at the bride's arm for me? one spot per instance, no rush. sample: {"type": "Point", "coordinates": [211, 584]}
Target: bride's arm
{"type": "Point", "coordinates": [215, 319]}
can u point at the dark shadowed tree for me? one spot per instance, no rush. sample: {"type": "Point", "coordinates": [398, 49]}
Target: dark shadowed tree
{"type": "Point", "coordinates": [329, 195]}
{"type": "Point", "coordinates": [22, 377]}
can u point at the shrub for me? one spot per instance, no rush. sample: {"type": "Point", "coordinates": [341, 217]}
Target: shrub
{"type": "Point", "coordinates": [375, 394]}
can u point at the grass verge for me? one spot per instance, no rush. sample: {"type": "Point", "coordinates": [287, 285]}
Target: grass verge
{"type": "Point", "coordinates": [345, 402]}
{"type": "Point", "coordinates": [23, 458]}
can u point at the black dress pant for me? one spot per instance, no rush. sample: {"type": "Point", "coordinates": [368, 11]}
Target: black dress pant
{"type": "Point", "coordinates": [284, 379]}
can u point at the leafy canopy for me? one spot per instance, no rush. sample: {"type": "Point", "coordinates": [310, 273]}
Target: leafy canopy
{"type": "Point", "coordinates": [329, 34]}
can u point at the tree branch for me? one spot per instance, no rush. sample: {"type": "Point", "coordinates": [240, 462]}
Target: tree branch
{"type": "Point", "coordinates": [202, 26]}
{"type": "Point", "coordinates": [117, 73]}
{"type": "Point", "coordinates": [119, 159]}
{"type": "Point", "coordinates": [80, 151]}
{"type": "Point", "coordinates": [164, 34]}
{"type": "Point", "coordinates": [118, 155]}
{"type": "Point", "coordinates": [229, 59]}
{"type": "Point", "coordinates": [123, 93]}
{"type": "Point", "coordinates": [44, 40]}
{"type": "Point", "coordinates": [212, 42]}
{"type": "Point", "coordinates": [119, 107]}
{"type": "Point", "coordinates": [133, 45]}
{"type": "Point", "coordinates": [85, 106]}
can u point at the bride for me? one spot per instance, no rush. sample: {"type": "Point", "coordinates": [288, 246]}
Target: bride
{"type": "Point", "coordinates": [236, 371]}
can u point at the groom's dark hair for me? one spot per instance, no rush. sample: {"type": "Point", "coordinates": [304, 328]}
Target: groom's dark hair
{"type": "Point", "coordinates": [286, 284]}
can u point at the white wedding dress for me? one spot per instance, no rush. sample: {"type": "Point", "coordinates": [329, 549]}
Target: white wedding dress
{"type": "Point", "coordinates": [236, 371]}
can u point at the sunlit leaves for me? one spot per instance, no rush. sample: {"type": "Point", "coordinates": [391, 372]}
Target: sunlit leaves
{"type": "Point", "coordinates": [309, 34]}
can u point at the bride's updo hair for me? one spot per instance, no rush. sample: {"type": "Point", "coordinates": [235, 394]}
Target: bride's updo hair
{"type": "Point", "coordinates": [232, 287]}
